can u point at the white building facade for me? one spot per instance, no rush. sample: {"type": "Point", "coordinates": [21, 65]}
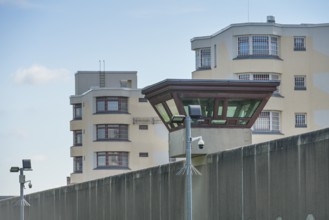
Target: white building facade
{"type": "Point", "coordinates": [115, 130]}
{"type": "Point", "coordinates": [296, 55]}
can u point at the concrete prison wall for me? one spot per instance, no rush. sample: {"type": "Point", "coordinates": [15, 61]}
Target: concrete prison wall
{"type": "Point", "coordinates": [286, 179]}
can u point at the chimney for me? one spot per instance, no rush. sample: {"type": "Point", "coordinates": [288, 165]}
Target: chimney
{"type": "Point", "coordinates": [270, 19]}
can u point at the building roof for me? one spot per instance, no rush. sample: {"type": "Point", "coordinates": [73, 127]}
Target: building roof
{"type": "Point", "coordinates": [259, 24]}
{"type": "Point", "coordinates": [224, 103]}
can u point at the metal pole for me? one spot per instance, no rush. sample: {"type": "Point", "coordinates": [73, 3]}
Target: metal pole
{"type": "Point", "coordinates": [21, 181]}
{"type": "Point", "coordinates": [188, 169]}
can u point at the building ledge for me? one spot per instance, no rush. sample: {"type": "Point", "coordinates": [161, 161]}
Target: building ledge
{"type": "Point", "coordinates": [258, 57]}
{"type": "Point", "coordinates": [267, 132]}
{"type": "Point", "coordinates": [112, 168]}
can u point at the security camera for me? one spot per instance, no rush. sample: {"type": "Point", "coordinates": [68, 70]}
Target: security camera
{"type": "Point", "coordinates": [30, 185]}
{"type": "Point", "coordinates": [201, 143]}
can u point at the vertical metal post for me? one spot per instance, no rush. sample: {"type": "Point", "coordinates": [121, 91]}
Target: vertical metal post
{"type": "Point", "coordinates": [188, 169]}
{"type": "Point", "coordinates": [21, 182]}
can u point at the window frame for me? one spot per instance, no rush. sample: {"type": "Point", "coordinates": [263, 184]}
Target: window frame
{"type": "Point", "coordinates": [300, 46]}
{"type": "Point", "coordinates": [300, 82]}
{"type": "Point", "coordinates": [272, 121]}
{"type": "Point", "coordinates": [122, 130]}
{"type": "Point", "coordinates": [143, 154]}
{"type": "Point", "coordinates": [77, 164]}
{"type": "Point", "coordinates": [76, 134]}
{"type": "Point", "coordinates": [142, 100]}
{"type": "Point", "coordinates": [203, 58]}
{"type": "Point", "coordinates": [77, 111]}
{"type": "Point", "coordinates": [269, 76]}
{"type": "Point", "coordinates": [121, 101]}
{"type": "Point", "coordinates": [125, 83]}
{"type": "Point", "coordinates": [122, 160]}
{"type": "Point", "coordinates": [258, 46]}
{"type": "Point", "coordinates": [143, 127]}
{"type": "Point", "coordinates": [300, 120]}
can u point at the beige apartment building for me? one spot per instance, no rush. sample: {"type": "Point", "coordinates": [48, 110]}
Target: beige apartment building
{"type": "Point", "coordinates": [114, 128]}
{"type": "Point", "coordinates": [295, 54]}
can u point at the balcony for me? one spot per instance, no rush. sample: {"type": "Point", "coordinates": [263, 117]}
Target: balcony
{"type": "Point", "coordinates": [76, 151]}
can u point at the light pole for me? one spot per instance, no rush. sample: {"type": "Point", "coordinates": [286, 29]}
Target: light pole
{"type": "Point", "coordinates": [26, 167]}
{"type": "Point", "coordinates": [188, 168]}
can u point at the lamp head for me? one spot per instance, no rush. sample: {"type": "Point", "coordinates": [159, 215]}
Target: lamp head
{"type": "Point", "coordinates": [178, 119]}
{"type": "Point", "coordinates": [14, 169]}
{"type": "Point", "coordinates": [27, 165]}
{"type": "Point", "coordinates": [195, 111]}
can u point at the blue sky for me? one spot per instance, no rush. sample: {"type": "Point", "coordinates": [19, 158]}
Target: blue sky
{"type": "Point", "coordinates": [44, 43]}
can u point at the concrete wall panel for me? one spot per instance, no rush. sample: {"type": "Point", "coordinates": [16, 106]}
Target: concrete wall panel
{"type": "Point", "coordinates": [287, 178]}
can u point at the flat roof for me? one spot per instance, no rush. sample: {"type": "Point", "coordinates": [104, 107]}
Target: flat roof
{"type": "Point", "coordinates": [210, 85]}
{"type": "Point", "coordinates": [258, 24]}
{"type": "Point", "coordinates": [224, 103]}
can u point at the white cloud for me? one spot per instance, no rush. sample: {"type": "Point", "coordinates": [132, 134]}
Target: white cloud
{"type": "Point", "coordinates": [36, 75]}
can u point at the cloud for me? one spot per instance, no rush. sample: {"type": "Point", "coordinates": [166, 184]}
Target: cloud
{"type": "Point", "coordinates": [36, 75]}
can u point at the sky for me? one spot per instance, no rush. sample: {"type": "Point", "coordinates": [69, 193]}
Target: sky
{"type": "Point", "coordinates": [44, 43]}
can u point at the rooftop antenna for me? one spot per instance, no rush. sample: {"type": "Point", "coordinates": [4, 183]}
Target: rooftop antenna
{"type": "Point", "coordinates": [104, 65]}
{"type": "Point", "coordinates": [100, 65]}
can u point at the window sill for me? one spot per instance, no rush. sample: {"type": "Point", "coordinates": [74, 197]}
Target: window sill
{"type": "Point", "coordinates": [203, 68]}
{"type": "Point", "coordinates": [267, 132]}
{"type": "Point", "coordinates": [300, 126]}
{"type": "Point", "coordinates": [299, 49]}
{"type": "Point", "coordinates": [76, 119]}
{"type": "Point", "coordinates": [77, 172]}
{"type": "Point", "coordinates": [112, 168]}
{"type": "Point", "coordinates": [257, 57]}
{"type": "Point", "coordinates": [300, 88]}
{"type": "Point", "coordinates": [111, 140]}
{"type": "Point", "coordinates": [111, 112]}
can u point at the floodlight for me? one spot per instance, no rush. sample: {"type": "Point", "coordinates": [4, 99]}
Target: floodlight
{"type": "Point", "coordinates": [194, 111]}
{"type": "Point", "coordinates": [178, 119]}
{"type": "Point", "coordinates": [14, 169]}
{"type": "Point", "coordinates": [27, 165]}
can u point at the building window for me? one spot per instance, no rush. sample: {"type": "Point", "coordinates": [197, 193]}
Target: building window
{"type": "Point", "coordinates": [143, 127]}
{"type": "Point", "coordinates": [267, 122]}
{"type": "Point", "coordinates": [300, 120]}
{"type": "Point", "coordinates": [300, 82]}
{"type": "Point", "coordinates": [125, 83]}
{"type": "Point", "coordinates": [77, 111]}
{"type": "Point", "coordinates": [203, 58]}
{"type": "Point", "coordinates": [112, 160]}
{"type": "Point", "coordinates": [112, 104]}
{"type": "Point", "coordinates": [260, 45]}
{"type": "Point", "coordinates": [77, 138]}
{"type": "Point", "coordinates": [243, 46]}
{"type": "Point", "coordinates": [143, 154]}
{"type": "Point", "coordinates": [142, 100]}
{"type": "Point", "coordinates": [299, 44]}
{"type": "Point", "coordinates": [77, 165]}
{"type": "Point", "coordinates": [115, 132]}
{"type": "Point", "coordinates": [261, 77]}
